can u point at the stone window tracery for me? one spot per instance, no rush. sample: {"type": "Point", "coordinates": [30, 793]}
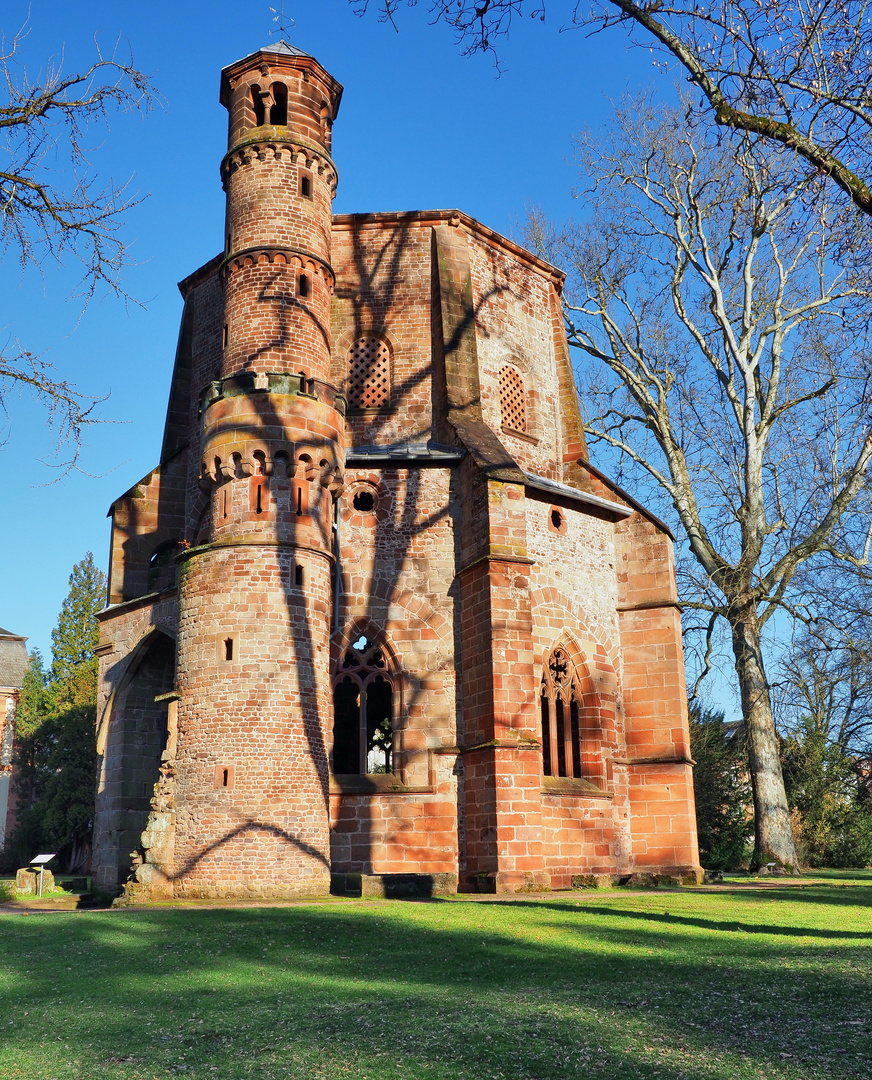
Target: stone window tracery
{"type": "Point", "coordinates": [363, 706]}
{"type": "Point", "coordinates": [513, 400]}
{"type": "Point", "coordinates": [560, 701]}
{"type": "Point", "coordinates": [369, 373]}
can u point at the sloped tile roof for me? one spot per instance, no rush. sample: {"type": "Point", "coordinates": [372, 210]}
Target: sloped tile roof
{"type": "Point", "coordinates": [13, 659]}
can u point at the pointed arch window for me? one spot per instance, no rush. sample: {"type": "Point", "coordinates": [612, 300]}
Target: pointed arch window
{"type": "Point", "coordinates": [363, 711]}
{"type": "Point", "coordinates": [560, 701]}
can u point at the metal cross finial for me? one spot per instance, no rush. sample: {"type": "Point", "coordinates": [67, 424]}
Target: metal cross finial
{"type": "Point", "coordinates": [283, 20]}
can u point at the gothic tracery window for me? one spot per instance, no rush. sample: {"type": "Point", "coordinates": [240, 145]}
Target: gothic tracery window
{"type": "Point", "coordinates": [369, 373]}
{"type": "Point", "coordinates": [560, 699]}
{"type": "Point", "coordinates": [513, 404]}
{"type": "Point", "coordinates": [363, 705]}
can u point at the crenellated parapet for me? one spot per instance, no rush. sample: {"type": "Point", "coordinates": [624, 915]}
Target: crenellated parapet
{"type": "Point", "coordinates": [285, 495]}
{"type": "Point", "coordinates": [271, 454]}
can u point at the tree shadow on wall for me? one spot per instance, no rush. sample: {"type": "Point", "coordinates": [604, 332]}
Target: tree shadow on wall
{"type": "Point", "coordinates": [374, 290]}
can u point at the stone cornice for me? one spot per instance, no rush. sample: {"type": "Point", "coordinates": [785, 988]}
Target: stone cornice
{"type": "Point", "coordinates": [456, 218]}
{"type": "Point", "coordinates": [671, 760]}
{"type": "Point", "coordinates": [270, 144]}
{"type": "Point", "coordinates": [137, 601]}
{"type": "Point", "coordinates": [275, 253]}
{"type": "Point", "coordinates": [259, 542]}
{"type": "Point", "coordinates": [245, 384]}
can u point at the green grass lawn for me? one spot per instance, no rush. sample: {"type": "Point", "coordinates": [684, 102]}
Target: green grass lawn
{"type": "Point", "coordinates": [740, 982]}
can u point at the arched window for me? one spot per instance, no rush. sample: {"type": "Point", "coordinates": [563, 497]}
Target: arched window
{"type": "Point", "coordinates": [278, 113]}
{"type": "Point", "coordinates": [363, 700]}
{"type": "Point", "coordinates": [560, 699]}
{"type": "Point", "coordinates": [513, 403]}
{"type": "Point", "coordinates": [369, 373]}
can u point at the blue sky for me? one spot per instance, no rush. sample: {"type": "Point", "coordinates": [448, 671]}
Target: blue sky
{"type": "Point", "coordinates": [420, 127]}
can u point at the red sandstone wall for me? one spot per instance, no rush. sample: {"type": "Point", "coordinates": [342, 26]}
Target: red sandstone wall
{"type": "Point", "coordinates": [383, 287]}
{"type": "Point", "coordinates": [655, 698]}
{"type": "Point", "coordinates": [513, 314]}
{"type": "Point", "coordinates": [397, 568]}
{"type": "Point", "coordinates": [263, 716]}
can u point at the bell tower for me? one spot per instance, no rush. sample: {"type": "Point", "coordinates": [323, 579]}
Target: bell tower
{"type": "Point", "coordinates": [254, 709]}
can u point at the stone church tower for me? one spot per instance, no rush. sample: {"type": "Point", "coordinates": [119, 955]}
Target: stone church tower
{"type": "Point", "coordinates": [374, 621]}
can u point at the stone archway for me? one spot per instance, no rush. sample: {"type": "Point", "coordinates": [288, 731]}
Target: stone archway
{"type": "Point", "coordinates": [135, 738]}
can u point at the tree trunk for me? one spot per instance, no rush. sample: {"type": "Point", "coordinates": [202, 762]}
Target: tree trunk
{"type": "Point", "coordinates": [773, 836]}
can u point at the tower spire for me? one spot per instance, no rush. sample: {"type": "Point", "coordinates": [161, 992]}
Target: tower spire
{"type": "Point", "coordinates": [283, 20]}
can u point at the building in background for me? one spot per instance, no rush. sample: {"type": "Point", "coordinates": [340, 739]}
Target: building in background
{"type": "Point", "coordinates": [13, 665]}
{"type": "Point", "coordinates": [374, 620]}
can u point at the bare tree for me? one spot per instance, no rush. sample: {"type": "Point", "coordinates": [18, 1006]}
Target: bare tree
{"type": "Point", "coordinates": [732, 371]}
{"type": "Point", "coordinates": [825, 675]}
{"type": "Point", "coordinates": [829, 682]}
{"type": "Point", "coordinates": [796, 72]}
{"type": "Point", "coordinates": [52, 206]}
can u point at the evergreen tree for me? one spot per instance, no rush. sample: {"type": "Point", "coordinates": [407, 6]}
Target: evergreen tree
{"type": "Point", "coordinates": [56, 756]}
{"type": "Point", "coordinates": [826, 790]}
{"type": "Point", "coordinates": [74, 639]}
{"type": "Point", "coordinates": [68, 782]}
{"type": "Point", "coordinates": [724, 815]}
{"type": "Point", "coordinates": [32, 701]}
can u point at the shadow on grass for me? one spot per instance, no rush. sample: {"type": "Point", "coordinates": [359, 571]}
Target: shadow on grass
{"type": "Point", "coordinates": [529, 991]}
{"type": "Point", "coordinates": [726, 926]}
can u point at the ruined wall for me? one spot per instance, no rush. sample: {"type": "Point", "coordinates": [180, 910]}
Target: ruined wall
{"type": "Point", "coordinates": [8, 801]}
{"type": "Point", "coordinates": [137, 662]}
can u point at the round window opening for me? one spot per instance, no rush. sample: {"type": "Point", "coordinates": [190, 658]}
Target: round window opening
{"type": "Point", "coordinates": [363, 502]}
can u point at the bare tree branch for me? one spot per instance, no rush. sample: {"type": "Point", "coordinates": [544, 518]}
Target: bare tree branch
{"type": "Point", "coordinates": [53, 207]}
{"type": "Point", "coordinates": [711, 290]}
{"type": "Point", "coordinates": [797, 74]}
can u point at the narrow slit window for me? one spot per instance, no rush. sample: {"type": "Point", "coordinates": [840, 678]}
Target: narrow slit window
{"type": "Point", "coordinates": [225, 776]}
{"type": "Point", "coordinates": [228, 648]}
{"type": "Point", "coordinates": [258, 508]}
{"type": "Point", "coordinates": [306, 185]}
{"type": "Point", "coordinates": [298, 575]}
